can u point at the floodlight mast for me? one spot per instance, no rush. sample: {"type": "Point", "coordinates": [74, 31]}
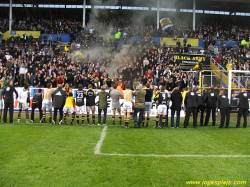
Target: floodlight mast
{"type": "Point", "coordinates": [158, 14]}
{"type": "Point", "coordinates": [84, 14]}
{"type": "Point", "coordinates": [10, 16]}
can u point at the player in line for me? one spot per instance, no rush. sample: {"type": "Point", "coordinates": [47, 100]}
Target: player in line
{"type": "Point", "coordinates": [90, 103]}
{"type": "Point", "coordinates": [163, 99]}
{"type": "Point", "coordinates": [69, 108]}
{"type": "Point", "coordinates": [127, 105]}
{"type": "Point", "coordinates": [80, 108]}
{"type": "Point", "coordinates": [148, 104]}
{"type": "Point", "coordinates": [47, 103]}
{"type": "Point", "coordinates": [24, 99]}
{"type": "Point", "coordinates": [115, 96]}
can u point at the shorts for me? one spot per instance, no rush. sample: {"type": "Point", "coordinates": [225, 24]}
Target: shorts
{"type": "Point", "coordinates": [1, 104]}
{"type": "Point", "coordinates": [23, 105]}
{"type": "Point", "coordinates": [70, 110]}
{"type": "Point", "coordinates": [162, 109]}
{"type": "Point", "coordinates": [90, 108]}
{"type": "Point", "coordinates": [116, 106]}
{"type": "Point", "coordinates": [127, 106]}
{"type": "Point", "coordinates": [47, 104]}
{"type": "Point", "coordinates": [80, 109]}
{"type": "Point", "coordinates": [148, 106]}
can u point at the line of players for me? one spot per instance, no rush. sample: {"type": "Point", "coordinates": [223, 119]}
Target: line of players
{"type": "Point", "coordinates": [63, 101]}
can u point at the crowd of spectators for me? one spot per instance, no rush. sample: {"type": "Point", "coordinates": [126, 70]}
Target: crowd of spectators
{"type": "Point", "coordinates": [37, 62]}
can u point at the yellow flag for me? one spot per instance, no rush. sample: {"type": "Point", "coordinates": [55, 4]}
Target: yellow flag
{"type": "Point", "coordinates": [66, 48]}
{"type": "Point", "coordinates": [81, 54]}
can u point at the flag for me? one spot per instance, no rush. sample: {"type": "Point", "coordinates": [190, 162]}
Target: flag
{"type": "Point", "coordinates": [80, 54]}
{"type": "Point", "coordinates": [165, 23]}
{"type": "Point", "coordinates": [66, 48]}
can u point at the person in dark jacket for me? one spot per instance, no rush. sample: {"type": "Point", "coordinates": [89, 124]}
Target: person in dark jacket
{"type": "Point", "coordinates": [58, 101]}
{"type": "Point", "coordinates": [176, 99]}
{"type": "Point", "coordinates": [201, 106]}
{"type": "Point", "coordinates": [243, 107]}
{"type": "Point", "coordinates": [103, 105]}
{"type": "Point", "coordinates": [139, 105]}
{"type": "Point", "coordinates": [191, 104]}
{"type": "Point", "coordinates": [37, 103]}
{"type": "Point", "coordinates": [8, 92]}
{"type": "Point", "coordinates": [225, 108]}
{"type": "Point", "coordinates": [211, 102]}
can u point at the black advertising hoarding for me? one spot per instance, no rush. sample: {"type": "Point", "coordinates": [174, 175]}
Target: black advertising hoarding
{"type": "Point", "coordinates": [186, 59]}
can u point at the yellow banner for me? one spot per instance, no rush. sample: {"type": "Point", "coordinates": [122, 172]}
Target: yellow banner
{"type": "Point", "coordinates": [171, 41]}
{"type": "Point", "coordinates": [35, 34]}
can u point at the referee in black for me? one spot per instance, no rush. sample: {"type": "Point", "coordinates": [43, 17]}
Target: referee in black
{"type": "Point", "coordinates": [191, 104]}
{"type": "Point", "coordinates": [58, 100]}
{"type": "Point", "coordinates": [211, 104]}
{"type": "Point", "coordinates": [225, 109]}
{"type": "Point", "coordinates": [243, 107]}
{"type": "Point", "coordinates": [8, 92]}
{"type": "Point", "coordinates": [37, 103]}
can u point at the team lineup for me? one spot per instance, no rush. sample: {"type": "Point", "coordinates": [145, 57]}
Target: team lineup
{"type": "Point", "coordinates": [192, 101]}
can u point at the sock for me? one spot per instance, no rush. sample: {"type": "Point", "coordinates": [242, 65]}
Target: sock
{"type": "Point", "coordinates": [93, 119]}
{"type": "Point", "coordinates": [44, 116]}
{"type": "Point", "coordinates": [120, 120]}
{"type": "Point", "coordinates": [143, 121]}
{"type": "Point", "coordinates": [88, 118]}
{"type": "Point", "coordinates": [64, 117]}
{"type": "Point", "coordinates": [83, 117]}
{"type": "Point", "coordinates": [157, 120]}
{"type": "Point", "coordinates": [50, 117]}
{"type": "Point", "coordinates": [0, 118]}
{"type": "Point", "coordinates": [73, 117]}
{"type": "Point", "coordinates": [148, 119]}
{"type": "Point", "coordinates": [77, 118]}
{"type": "Point", "coordinates": [163, 120]}
{"type": "Point", "coordinates": [27, 119]}
{"type": "Point", "coordinates": [113, 119]}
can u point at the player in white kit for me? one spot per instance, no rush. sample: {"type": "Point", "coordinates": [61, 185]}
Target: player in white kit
{"type": "Point", "coordinates": [127, 105]}
{"type": "Point", "coordinates": [47, 103]}
{"type": "Point", "coordinates": [24, 99]}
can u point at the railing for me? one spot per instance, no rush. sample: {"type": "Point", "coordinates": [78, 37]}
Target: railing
{"type": "Point", "coordinates": [225, 71]}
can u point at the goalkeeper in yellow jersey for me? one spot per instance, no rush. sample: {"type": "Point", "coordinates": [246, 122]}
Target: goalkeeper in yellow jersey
{"type": "Point", "coordinates": [69, 108]}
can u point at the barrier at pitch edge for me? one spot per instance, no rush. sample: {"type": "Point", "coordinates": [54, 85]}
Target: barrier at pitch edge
{"type": "Point", "coordinates": [109, 111]}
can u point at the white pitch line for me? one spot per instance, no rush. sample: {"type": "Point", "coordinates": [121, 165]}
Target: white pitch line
{"type": "Point", "coordinates": [100, 142]}
{"type": "Point", "coordinates": [169, 156]}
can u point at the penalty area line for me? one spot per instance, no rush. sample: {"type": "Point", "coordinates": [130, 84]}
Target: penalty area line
{"type": "Point", "coordinates": [172, 156]}
{"type": "Point", "coordinates": [100, 142]}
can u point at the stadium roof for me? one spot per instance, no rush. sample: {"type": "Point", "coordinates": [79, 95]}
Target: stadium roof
{"type": "Point", "coordinates": [216, 5]}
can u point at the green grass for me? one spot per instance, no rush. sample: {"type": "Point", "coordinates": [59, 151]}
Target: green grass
{"type": "Point", "coordinates": [60, 155]}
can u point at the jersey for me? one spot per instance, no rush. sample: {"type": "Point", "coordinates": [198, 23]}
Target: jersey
{"type": "Point", "coordinates": [148, 96]}
{"type": "Point", "coordinates": [90, 97]}
{"type": "Point", "coordinates": [37, 98]}
{"type": "Point", "coordinates": [23, 96]}
{"type": "Point", "coordinates": [163, 98]}
{"type": "Point", "coordinates": [79, 98]}
{"type": "Point", "coordinates": [70, 102]}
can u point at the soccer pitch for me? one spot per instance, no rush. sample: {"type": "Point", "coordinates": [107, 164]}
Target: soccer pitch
{"type": "Point", "coordinates": [63, 155]}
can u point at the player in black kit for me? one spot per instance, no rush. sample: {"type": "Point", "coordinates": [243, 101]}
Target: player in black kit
{"type": "Point", "coordinates": [148, 104]}
{"type": "Point", "coordinates": [90, 103]}
{"type": "Point", "coordinates": [80, 108]}
{"type": "Point", "coordinates": [163, 99]}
